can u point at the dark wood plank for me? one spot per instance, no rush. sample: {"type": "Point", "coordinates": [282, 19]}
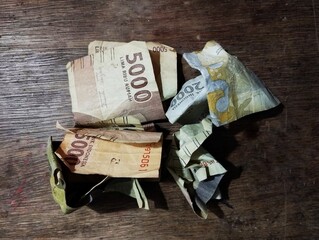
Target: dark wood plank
{"type": "Point", "coordinates": [276, 194]}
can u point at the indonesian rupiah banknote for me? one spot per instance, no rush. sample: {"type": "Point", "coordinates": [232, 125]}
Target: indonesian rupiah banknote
{"type": "Point", "coordinates": [114, 153]}
{"type": "Point", "coordinates": [164, 62]}
{"type": "Point", "coordinates": [72, 191]}
{"type": "Point", "coordinates": [122, 79]}
{"type": "Point", "coordinates": [194, 169]}
{"type": "Point", "coordinates": [119, 86]}
{"type": "Point", "coordinates": [225, 91]}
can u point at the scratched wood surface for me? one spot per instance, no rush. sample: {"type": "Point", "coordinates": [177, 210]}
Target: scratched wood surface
{"type": "Point", "coordinates": [272, 158]}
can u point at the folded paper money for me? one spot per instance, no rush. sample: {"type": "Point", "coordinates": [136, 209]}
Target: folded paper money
{"type": "Point", "coordinates": [118, 86]}
{"type": "Point", "coordinates": [164, 62]}
{"type": "Point", "coordinates": [114, 153]}
{"type": "Point", "coordinates": [72, 191]}
{"type": "Point", "coordinates": [117, 91]}
{"type": "Point", "coordinates": [225, 91]}
{"type": "Point", "coordinates": [195, 171]}
{"type": "Point", "coordinates": [121, 79]}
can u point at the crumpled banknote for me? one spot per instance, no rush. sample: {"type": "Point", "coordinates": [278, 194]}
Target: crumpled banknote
{"type": "Point", "coordinates": [122, 79]}
{"type": "Point", "coordinates": [195, 171]}
{"type": "Point", "coordinates": [117, 92]}
{"type": "Point", "coordinates": [225, 91]}
{"type": "Point", "coordinates": [113, 89]}
{"type": "Point", "coordinates": [115, 153]}
{"type": "Point", "coordinates": [72, 191]}
{"type": "Point", "coordinates": [163, 59]}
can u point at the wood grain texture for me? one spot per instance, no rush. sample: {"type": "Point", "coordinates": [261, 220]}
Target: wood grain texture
{"type": "Point", "coordinates": [276, 194]}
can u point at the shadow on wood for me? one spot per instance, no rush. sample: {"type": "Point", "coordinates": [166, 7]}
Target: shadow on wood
{"type": "Point", "coordinates": [105, 202]}
{"type": "Point", "coordinates": [111, 202]}
{"type": "Point", "coordinates": [222, 142]}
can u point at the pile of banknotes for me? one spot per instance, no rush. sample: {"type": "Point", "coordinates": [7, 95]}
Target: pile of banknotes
{"type": "Point", "coordinates": [117, 93]}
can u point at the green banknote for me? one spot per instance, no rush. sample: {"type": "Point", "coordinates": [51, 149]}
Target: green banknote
{"type": "Point", "coordinates": [195, 170]}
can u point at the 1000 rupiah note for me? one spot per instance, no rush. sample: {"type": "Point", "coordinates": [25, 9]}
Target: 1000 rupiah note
{"type": "Point", "coordinates": [195, 171]}
{"type": "Point", "coordinates": [226, 87]}
{"type": "Point", "coordinates": [114, 83]}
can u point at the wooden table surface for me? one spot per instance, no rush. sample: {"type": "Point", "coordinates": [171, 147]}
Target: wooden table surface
{"type": "Point", "coordinates": [272, 158]}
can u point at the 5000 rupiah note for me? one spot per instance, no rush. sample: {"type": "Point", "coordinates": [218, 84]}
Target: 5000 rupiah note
{"type": "Point", "coordinates": [115, 153]}
{"type": "Point", "coordinates": [72, 191]}
{"type": "Point", "coordinates": [114, 83]}
{"type": "Point", "coordinates": [164, 61]}
{"type": "Point", "coordinates": [232, 91]}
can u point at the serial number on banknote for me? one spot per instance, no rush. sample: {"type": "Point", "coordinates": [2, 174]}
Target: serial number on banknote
{"type": "Point", "coordinates": [159, 49]}
{"type": "Point", "coordinates": [145, 158]}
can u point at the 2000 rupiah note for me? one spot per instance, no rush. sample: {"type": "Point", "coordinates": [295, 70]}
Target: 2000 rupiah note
{"type": "Point", "coordinates": [225, 91]}
{"type": "Point", "coordinates": [118, 81]}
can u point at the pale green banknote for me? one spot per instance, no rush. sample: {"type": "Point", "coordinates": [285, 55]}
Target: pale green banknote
{"type": "Point", "coordinates": [195, 170]}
